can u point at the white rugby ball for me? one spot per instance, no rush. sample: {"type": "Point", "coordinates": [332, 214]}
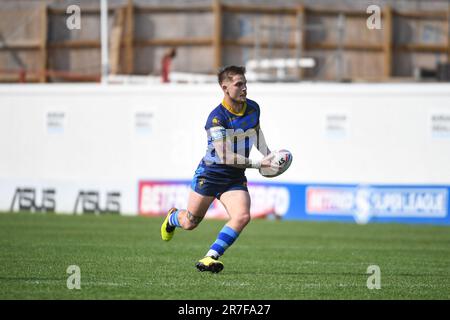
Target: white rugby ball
{"type": "Point", "coordinates": [280, 163]}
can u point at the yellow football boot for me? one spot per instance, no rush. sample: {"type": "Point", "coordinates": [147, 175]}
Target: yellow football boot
{"type": "Point", "coordinates": [209, 264]}
{"type": "Point", "coordinates": [167, 231]}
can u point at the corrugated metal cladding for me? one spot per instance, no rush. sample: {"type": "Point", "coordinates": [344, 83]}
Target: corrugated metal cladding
{"type": "Point", "coordinates": [350, 52]}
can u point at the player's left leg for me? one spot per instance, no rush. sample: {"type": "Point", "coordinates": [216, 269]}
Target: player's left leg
{"type": "Point", "coordinates": [237, 204]}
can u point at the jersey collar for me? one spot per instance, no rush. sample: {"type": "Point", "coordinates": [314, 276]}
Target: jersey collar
{"type": "Point", "coordinates": [226, 106]}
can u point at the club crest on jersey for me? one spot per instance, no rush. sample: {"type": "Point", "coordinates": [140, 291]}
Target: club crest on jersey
{"type": "Point", "coordinates": [216, 121]}
{"type": "Point", "coordinates": [201, 182]}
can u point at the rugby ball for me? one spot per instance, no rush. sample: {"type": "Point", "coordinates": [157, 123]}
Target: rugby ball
{"type": "Point", "coordinates": [280, 162]}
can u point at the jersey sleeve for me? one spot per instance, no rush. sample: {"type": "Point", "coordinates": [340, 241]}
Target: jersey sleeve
{"type": "Point", "coordinates": [257, 112]}
{"type": "Point", "coordinates": [216, 126]}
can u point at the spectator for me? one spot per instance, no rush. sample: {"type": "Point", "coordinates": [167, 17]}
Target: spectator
{"type": "Point", "coordinates": [166, 64]}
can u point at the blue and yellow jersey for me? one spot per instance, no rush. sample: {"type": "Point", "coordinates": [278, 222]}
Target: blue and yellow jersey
{"type": "Point", "coordinates": [240, 128]}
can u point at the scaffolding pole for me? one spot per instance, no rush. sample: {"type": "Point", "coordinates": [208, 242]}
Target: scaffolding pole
{"type": "Point", "coordinates": [104, 40]}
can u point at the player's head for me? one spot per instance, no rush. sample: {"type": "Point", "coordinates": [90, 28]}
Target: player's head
{"type": "Point", "coordinates": [172, 52]}
{"type": "Point", "coordinates": [233, 83]}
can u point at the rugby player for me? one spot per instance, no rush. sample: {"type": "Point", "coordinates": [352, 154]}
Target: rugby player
{"type": "Point", "coordinates": [232, 128]}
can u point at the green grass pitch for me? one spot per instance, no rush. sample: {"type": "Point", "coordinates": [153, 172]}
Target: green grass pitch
{"type": "Point", "coordinates": [124, 258]}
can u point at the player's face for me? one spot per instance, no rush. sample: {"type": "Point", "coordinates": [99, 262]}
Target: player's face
{"type": "Point", "coordinates": [236, 88]}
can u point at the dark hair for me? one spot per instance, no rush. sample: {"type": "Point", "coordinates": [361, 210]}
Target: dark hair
{"type": "Point", "coordinates": [228, 72]}
{"type": "Point", "coordinates": [172, 52]}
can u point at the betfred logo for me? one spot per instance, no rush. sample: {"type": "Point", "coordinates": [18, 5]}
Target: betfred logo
{"type": "Point", "coordinates": [157, 197]}
{"type": "Point", "coordinates": [269, 200]}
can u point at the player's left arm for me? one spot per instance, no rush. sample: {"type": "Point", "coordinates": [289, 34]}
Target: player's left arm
{"type": "Point", "coordinates": [261, 143]}
{"type": "Point", "coordinates": [224, 150]}
{"type": "Point", "coordinates": [223, 146]}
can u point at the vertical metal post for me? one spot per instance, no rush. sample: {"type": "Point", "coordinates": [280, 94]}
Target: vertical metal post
{"type": "Point", "coordinates": [286, 49]}
{"type": "Point", "coordinates": [129, 49]}
{"type": "Point", "coordinates": [448, 33]}
{"type": "Point", "coordinates": [271, 40]}
{"type": "Point", "coordinates": [104, 39]}
{"type": "Point", "coordinates": [387, 42]}
{"type": "Point", "coordinates": [43, 43]}
{"type": "Point", "coordinates": [217, 40]}
{"type": "Point", "coordinates": [257, 30]}
{"type": "Point", "coordinates": [339, 51]}
{"type": "Point", "coordinates": [299, 40]}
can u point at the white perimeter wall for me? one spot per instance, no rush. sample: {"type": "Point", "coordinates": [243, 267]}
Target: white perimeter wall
{"type": "Point", "coordinates": [386, 136]}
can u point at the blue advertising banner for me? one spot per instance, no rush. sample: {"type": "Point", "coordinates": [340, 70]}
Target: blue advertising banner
{"type": "Point", "coordinates": [369, 203]}
{"type": "Point", "coordinates": [320, 202]}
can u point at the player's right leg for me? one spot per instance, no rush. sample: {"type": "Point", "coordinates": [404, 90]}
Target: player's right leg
{"type": "Point", "coordinates": [187, 219]}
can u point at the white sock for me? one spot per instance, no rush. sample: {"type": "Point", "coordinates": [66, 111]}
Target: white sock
{"type": "Point", "coordinates": [213, 253]}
